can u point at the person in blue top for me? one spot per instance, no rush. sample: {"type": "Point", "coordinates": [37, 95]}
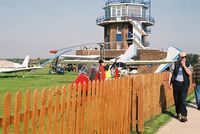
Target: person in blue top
{"type": "Point", "coordinates": [179, 79]}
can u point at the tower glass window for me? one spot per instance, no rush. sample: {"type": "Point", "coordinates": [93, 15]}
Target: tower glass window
{"type": "Point", "coordinates": [143, 12]}
{"type": "Point", "coordinates": [119, 30]}
{"type": "Point", "coordinates": [134, 11]}
{"type": "Point", "coordinates": [124, 11]}
{"type": "Point", "coordinates": [118, 11]}
{"type": "Point", "coordinates": [107, 12]}
{"type": "Point", "coordinates": [137, 11]}
{"type": "Point", "coordinates": [113, 11]}
{"type": "Point", "coordinates": [130, 11]}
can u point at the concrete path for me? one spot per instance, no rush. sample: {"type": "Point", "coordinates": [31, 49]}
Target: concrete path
{"type": "Point", "coordinates": [192, 126]}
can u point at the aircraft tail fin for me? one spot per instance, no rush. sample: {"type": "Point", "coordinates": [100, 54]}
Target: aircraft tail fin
{"type": "Point", "coordinates": [26, 61]}
{"type": "Point", "coordinates": [129, 53]}
{"type": "Point", "coordinates": [172, 54]}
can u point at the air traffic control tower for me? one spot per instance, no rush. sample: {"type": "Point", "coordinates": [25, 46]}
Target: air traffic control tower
{"type": "Point", "coordinates": [126, 22]}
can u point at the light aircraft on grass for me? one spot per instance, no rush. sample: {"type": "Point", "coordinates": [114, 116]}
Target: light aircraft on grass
{"type": "Point", "coordinates": [60, 54]}
{"type": "Point", "coordinates": [12, 67]}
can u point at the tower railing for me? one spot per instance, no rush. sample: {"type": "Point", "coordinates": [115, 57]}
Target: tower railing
{"type": "Point", "coordinates": [147, 18]}
{"type": "Point", "coordinates": [147, 30]}
{"type": "Point", "coordinates": [145, 2]}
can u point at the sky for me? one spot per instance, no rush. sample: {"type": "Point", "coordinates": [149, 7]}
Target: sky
{"type": "Point", "coordinates": [35, 27]}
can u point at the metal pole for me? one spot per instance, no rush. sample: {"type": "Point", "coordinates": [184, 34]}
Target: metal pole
{"type": "Point", "coordinates": [101, 50]}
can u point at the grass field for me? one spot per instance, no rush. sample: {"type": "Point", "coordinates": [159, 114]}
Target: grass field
{"type": "Point", "coordinates": [38, 79]}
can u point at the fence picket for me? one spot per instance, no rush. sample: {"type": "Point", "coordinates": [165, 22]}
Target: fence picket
{"type": "Point", "coordinates": [35, 112]}
{"type": "Point", "coordinates": [87, 108]}
{"type": "Point", "coordinates": [140, 107]}
{"type": "Point", "coordinates": [49, 111]}
{"type": "Point", "coordinates": [62, 114]}
{"type": "Point", "coordinates": [78, 111]}
{"type": "Point", "coordinates": [18, 102]}
{"type": "Point", "coordinates": [73, 110]}
{"type": "Point", "coordinates": [134, 97]}
{"type": "Point", "coordinates": [97, 104]}
{"type": "Point", "coordinates": [56, 111]}
{"type": "Point", "coordinates": [27, 111]}
{"type": "Point", "coordinates": [68, 110]}
{"type": "Point", "coordinates": [42, 111]}
{"type": "Point", "coordinates": [83, 103]}
{"type": "Point", "coordinates": [6, 121]}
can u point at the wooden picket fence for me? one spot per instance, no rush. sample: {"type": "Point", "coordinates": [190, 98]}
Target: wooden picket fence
{"type": "Point", "coordinates": [105, 107]}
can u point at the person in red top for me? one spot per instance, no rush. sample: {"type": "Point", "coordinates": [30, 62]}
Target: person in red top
{"type": "Point", "coordinates": [116, 71]}
{"type": "Point", "coordinates": [102, 70]}
{"type": "Point", "coordinates": [81, 79]}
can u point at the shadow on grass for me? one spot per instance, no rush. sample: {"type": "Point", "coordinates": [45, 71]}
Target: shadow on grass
{"type": "Point", "coordinates": [67, 81]}
{"type": "Point", "coordinates": [70, 82]}
{"type": "Point", "coordinates": [169, 113]}
{"type": "Point", "coordinates": [192, 105]}
{"type": "Point", "coordinates": [9, 76]}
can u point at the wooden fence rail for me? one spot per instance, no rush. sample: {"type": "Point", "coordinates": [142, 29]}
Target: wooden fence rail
{"type": "Point", "coordinates": [107, 107]}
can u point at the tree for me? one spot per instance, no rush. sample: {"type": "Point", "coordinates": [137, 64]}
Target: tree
{"type": "Point", "coordinates": [192, 58]}
{"type": "Point", "coordinates": [195, 58]}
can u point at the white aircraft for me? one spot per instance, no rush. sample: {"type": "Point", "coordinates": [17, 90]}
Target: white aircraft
{"type": "Point", "coordinates": [11, 67]}
{"type": "Point", "coordinates": [124, 58]}
{"type": "Point", "coordinates": [172, 55]}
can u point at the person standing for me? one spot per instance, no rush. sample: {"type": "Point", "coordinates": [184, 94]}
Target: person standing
{"type": "Point", "coordinates": [196, 82]}
{"type": "Point", "coordinates": [179, 79]}
{"type": "Point", "coordinates": [102, 70]}
{"type": "Point", "coordinates": [116, 71]}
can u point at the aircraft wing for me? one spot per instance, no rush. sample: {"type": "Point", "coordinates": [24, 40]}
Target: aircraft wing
{"type": "Point", "coordinates": [146, 62]}
{"type": "Point", "coordinates": [80, 61]}
{"type": "Point", "coordinates": [133, 62]}
{"type": "Point", "coordinates": [56, 56]}
{"type": "Point", "coordinates": [13, 70]}
{"type": "Point", "coordinates": [81, 56]}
